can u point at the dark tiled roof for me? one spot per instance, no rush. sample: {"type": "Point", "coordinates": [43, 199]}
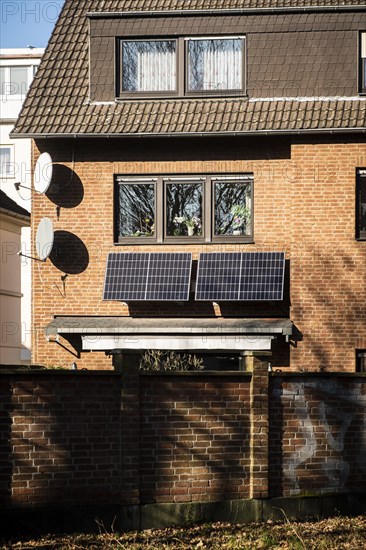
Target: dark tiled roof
{"type": "Point", "coordinates": [58, 99]}
{"type": "Point", "coordinates": [6, 203]}
{"type": "Point", "coordinates": [159, 5]}
{"type": "Point", "coordinates": [201, 116]}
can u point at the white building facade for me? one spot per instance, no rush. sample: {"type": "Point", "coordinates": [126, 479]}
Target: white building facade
{"type": "Point", "coordinates": [17, 70]}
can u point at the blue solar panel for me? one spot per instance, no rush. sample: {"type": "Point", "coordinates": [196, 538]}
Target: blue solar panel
{"type": "Point", "coordinates": [240, 276]}
{"type": "Point", "coordinates": [137, 276]}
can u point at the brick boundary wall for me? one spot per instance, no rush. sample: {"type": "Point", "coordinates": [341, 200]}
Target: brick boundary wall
{"type": "Point", "coordinates": [156, 449]}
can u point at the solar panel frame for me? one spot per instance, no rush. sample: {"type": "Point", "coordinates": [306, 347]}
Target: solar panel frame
{"type": "Point", "coordinates": [261, 276]}
{"type": "Point", "coordinates": [154, 278]}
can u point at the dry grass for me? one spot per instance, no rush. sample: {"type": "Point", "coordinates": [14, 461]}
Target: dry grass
{"type": "Point", "coordinates": [331, 534]}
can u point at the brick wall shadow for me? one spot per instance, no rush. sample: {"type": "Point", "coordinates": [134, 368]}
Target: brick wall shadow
{"type": "Point", "coordinates": [6, 467]}
{"type": "Point", "coordinates": [195, 435]}
{"type": "Point", "coordinates": [64, 440]}
{"type": "Point", "coordinates": [275, 439]}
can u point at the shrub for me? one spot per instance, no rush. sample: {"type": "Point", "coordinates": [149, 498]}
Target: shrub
{"type": "Point", "coordinates": [165, 361]}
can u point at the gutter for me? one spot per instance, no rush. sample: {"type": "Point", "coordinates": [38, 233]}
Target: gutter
{"type": "Point", "coordinates": [193, 134]}
{"type": "Point", "coordinates": [234, 11]}
{"type": "Point", "coordinates": [12, 214]}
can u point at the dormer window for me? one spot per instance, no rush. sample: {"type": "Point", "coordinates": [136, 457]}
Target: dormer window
{"type": "Point", "coordinates": [181, 66]}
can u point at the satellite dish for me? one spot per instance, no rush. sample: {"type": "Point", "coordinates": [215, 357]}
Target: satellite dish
{"type": "Point", "coordinates": [44, 238]}
{"type": "Point", "coordinates": [43, 173]}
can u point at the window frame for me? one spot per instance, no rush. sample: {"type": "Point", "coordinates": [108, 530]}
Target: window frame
{"type": "Point", "coordinates": [361, 70]}
{"type": "Point", "coordinates": [146, 94]}
{"type": "Point", "coordinates": [361, 360]}
{"type": "Point", "coordinates": [11, 174]}
{"type": "Point", "coordinates": [360, 180]}
{"type": "Point", "coordinates": [208, 209]}
{"type": "Point", "coordinates": [181, 69]}
{"type": "Point", "coordinates": [134, 180]}
{"type": "Point", "coordinates": [226, 92]}
{"type": "Point", "coordinates": [7, 70]}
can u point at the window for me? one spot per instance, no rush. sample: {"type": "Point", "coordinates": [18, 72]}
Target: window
{"type": "Point", "coordinates": [361, 360]}
{"type": "Point", "coordinates": [181, 66]}
{"type": "Point", "coordinates": [6, 161]}
{"type": "Point", "coordinates": [362, 63]}
{"type": "Point", "coordinates": [14, 81]}
{"type": "Point", "coordinates": [184, 208]}
{"type": "Point", "coordinates": [361, 205]}
{"type": "Point", "coordinates": [136, 208]}
{"type": "Point", "coordinates": [149, 66]}
{"type": "Point", "coordinates": [214, 64]}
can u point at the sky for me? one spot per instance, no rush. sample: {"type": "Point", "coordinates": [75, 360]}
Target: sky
{"type": "Point", "coordinates": [26, 23]}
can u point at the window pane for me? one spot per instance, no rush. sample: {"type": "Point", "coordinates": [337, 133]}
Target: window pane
{"type": "Point", "coordinates": [215, 64]}
{"type": "Point", "coordinates": [18, 81]}
{"type": "Point", "coordinates": [232, 208]}
{"type": "Point", "coordinates": [363, 62]}
{"type": "Point", "coordinates": [137, 210]}
{"type": "Point", "coordinates": [5, 166]}
{"type": "Point", "coordinates": [149, 66]}
{"type": "Point", "coordinates": [2, 80]}
{"type": "Point", "coordinates": [184, 209]}
{"type": "Point", "coordinates": [362, 180]}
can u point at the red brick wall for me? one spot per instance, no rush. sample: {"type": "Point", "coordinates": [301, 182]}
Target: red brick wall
{"type": "Point", "coordinates": [317, 435]}
{"type": "Point", "coordinates": [86, 438]}
{"type": "Point", "coordinates": [60, 439]}
{"type": "Point", "coordinates": [194, 438]}
{"type": "Point", "coordinates": [304, 204]}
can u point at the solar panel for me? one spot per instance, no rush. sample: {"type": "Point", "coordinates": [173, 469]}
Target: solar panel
{"type": "Point", "coordinates": [240, 276]}
{"type": "Point", "coordinates": [135, 276]}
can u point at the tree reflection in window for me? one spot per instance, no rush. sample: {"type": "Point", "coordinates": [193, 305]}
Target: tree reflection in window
{"type": "Point", "coordinates": [233, 209]}
{"type": "Point", "coordinates": [184, 209]}
{"type": "Point", "coordinates": [149, 66]}
{"type": "Point", "coordinates": [362, 205]}
{"type": "Point", "coordinates": [137, 210]}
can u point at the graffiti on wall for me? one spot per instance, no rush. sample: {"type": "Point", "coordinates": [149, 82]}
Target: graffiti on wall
{"type": "Point", "coordinates": [324, 411]}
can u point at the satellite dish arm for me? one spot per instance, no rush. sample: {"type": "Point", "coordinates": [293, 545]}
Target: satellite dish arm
{"type": "Point", "coordinates": [17, 185]}
{"type": "Point", "coordinates": [30, 257]}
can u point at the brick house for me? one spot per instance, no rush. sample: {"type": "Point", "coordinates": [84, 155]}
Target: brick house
{"type": "Point", "coordinates": [218, 131]}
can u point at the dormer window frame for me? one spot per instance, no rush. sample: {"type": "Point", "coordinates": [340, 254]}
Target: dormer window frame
{"type": "Point", "coordinates": [362, 63]}
{"type": "Point", "coordinates": [182, 90]}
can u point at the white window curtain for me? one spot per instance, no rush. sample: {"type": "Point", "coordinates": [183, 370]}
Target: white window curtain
{"type": "Point", "coordinates": [156, 71]}
{"type": "Point", "coordinates": [221, 70]}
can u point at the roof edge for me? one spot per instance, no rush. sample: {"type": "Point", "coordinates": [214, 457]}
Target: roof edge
{"type": "Point", "coordinates": [236, 11]}
{"type": "Point", "coordinates": [357, 130]}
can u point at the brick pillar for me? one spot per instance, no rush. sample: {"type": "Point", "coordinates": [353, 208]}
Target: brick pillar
{"type": "Point", "coordinates": [259, 425]}
{"type": "Point", "coordinates": [128, 365]}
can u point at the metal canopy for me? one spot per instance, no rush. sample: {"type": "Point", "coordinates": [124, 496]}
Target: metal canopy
{"type": "Point", "coordinates": [199, 334]}
{"type": "Point", "coordinates": [80, 325]}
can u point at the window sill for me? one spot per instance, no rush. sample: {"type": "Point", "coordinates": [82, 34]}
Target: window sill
{"type": "Point", "coordinates": [188, 95]}
{"type": "Point", "coordinates": [185, 242]}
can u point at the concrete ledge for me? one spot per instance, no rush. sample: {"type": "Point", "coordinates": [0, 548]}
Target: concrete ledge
{"type": "Point", "coordinates": [93, 519]}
